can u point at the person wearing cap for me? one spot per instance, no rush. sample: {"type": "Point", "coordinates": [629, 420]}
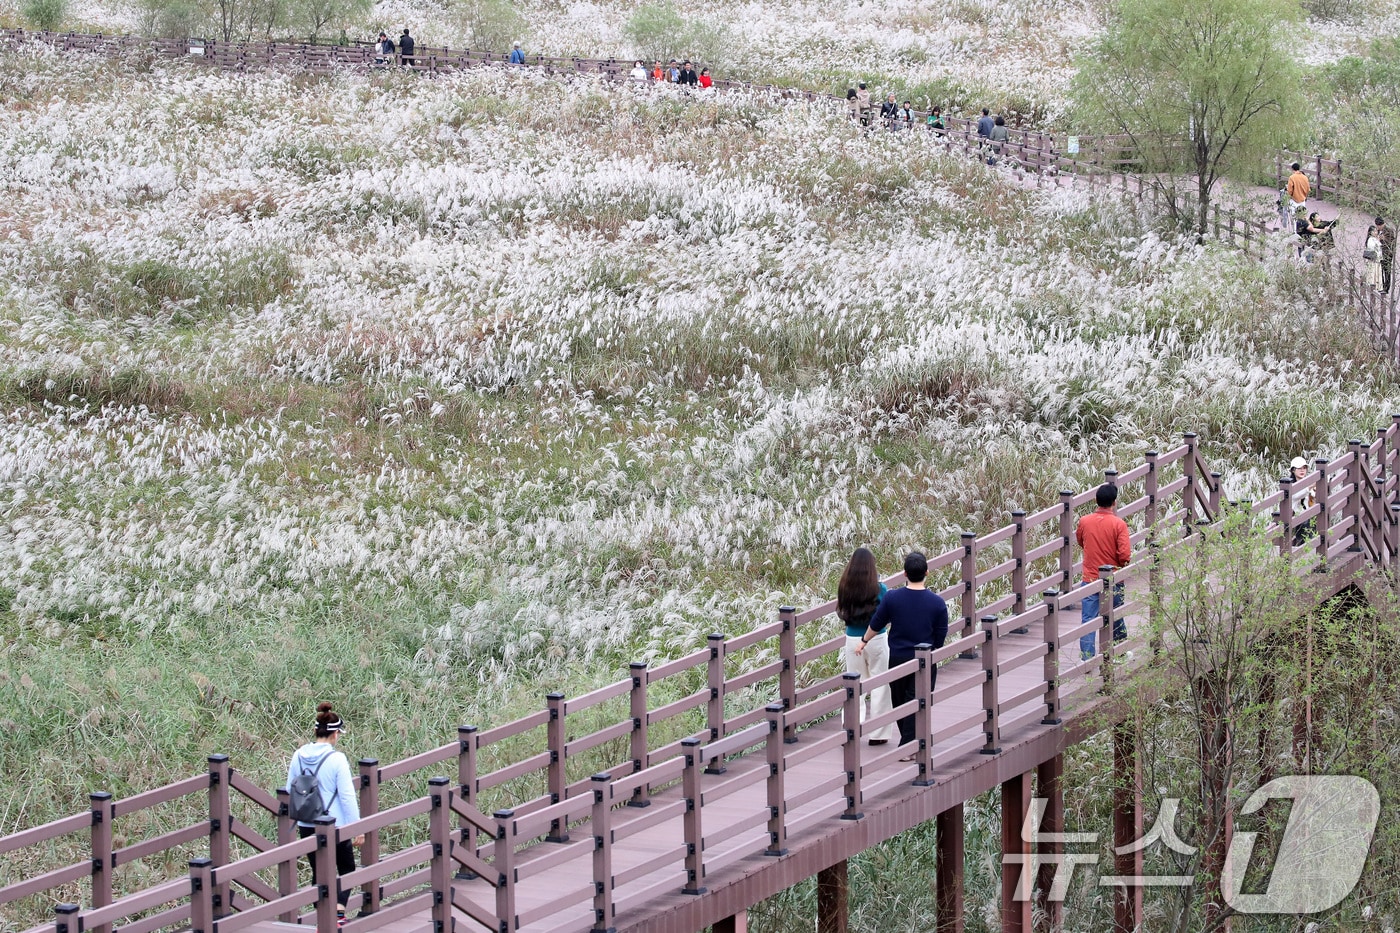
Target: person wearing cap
{"type": "Point", "coordinates": [517, 57]}
{"type": "Point", "coordinates": [1303, 500]}
{"type": "Point", "coordinates": [332, 770]}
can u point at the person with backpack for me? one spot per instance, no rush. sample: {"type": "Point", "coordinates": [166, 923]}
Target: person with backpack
{"type": "Point", "coordinates": [319, 784]}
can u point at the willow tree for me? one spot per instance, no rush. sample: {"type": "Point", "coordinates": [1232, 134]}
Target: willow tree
{"type": "Point", "coordinates": [1203, 89]}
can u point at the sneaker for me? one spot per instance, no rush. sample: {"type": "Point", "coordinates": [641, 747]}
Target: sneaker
{"type": "Point", "coordinates": [340, 920]}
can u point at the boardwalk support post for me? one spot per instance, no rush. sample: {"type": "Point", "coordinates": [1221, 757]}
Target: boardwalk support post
{"type": "Point", "coordinates": [1358, 484]}
{"type": "Point", "coordinates": [777, 806]}
{"type": "Point", "coordinates": [990, 702]}
{"type": "Point", "coordinates": [1049, 787]}
{"type": "Point", "coordinates": [833, 899]}
{"type": "Point", "coordinates": [103, 811]}
{"type": "Point", "coordinates": [694, 840]}
{"type": "Point", "coordinates": [1127, 828]}
{"type": "Point", "coordinates": [67, 919]}
{"type": "Point", "coordinates": [639, 711]}
{"type": "Point", "coordinates": [948, 869]}
{"type": "Point", "coordinates": [850, 749]}
{"type": "Point", "coordinates": [1015, 851]}
{"type": "Point", "coordinates": [603, 907]}
{"type": "Point", "coordinates": [714, 709]}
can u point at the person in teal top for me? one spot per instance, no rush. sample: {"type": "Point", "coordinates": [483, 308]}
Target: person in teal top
{"type": "Point", "coordinates": [857, 596]}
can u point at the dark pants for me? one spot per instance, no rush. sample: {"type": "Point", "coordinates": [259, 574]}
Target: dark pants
{"type": "Point", "coordinates": [1385, 274]}
{"type": "Point", "coordinates": [903, 691]}
{"type": "Point", "coordinates": [344, 862]}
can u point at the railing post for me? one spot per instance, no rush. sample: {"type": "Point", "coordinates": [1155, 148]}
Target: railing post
{"type": "Point", "coordinates": [787, 677]}
{"type": "Point", "coordinates": [1051, 668]}
{"type": "Point", "coordinates": [690, 820]}
{"type": "Point", "coordinates": [1192, 492]}
{"type": "Point", "coordinates": [505, 869]}
{"type": "Point", "coordinates": [777, 806]}
{"type": "Point", "coordinates": [67, 918]}
{"type": "Point", "coordinates": [1324, 515]}
{"type": "Point", "coordinates": [219, 835]}
{"type": "Point", "coordinates": [102, 816]}
{"type": "Point", "coordinates": [201, 896]}
{"type": "Point", "coordinates": [850, 750]}
{"type": "Point", "coordinates": [640, 712]}
{"type": "Point", "coordinates": [1105, 638]}
{"type": "Point", "coordinates": [604, 911]}
{"type": "Point", "coordinates": [468, 747]}
{"type": "Point", "coordinates": [1358, 487]}
{"type": "Point", "coordinates": [992, 729]}
{"type": "Point", "coordinates": [923, 715]}
{"type": "Point", "coordinates": [1393, 532]}
{"type": "Point", "coordinates": [1018, 573]}
{"type": "Point", "coordinates": [327, 881]}
{"type": "Point", "coordinates": [1215, 486]}
{"type": "Point", "coordinates": [369, 852]}
{"type": "Point", "coordinates": [969, 581]}
{"type": "Point", "coordinates": [558, 774]}
{"type": "Point", "coordinates": [440, 867]}
{"type": "Point", "coordinates": [714, 709]}
{"type": "Point", "coordinates": [287, 869]}
{"type": "Point", "coordinates": [1066, 538]}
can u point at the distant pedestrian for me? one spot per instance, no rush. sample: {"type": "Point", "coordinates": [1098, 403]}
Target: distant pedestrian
{"type": "Point", "coordinates": [852, 104]}
{"type": "Point", "coordinates": [906, 115]}
{"type": "Point", "coordinates": [639, 73]}
{"type": "Point", "coordinates": [517, 56]}
{"type": "Point", "coordinates": [1386, 234]}
{"type": "Point", "coordinates": [406, 48]}
{"type": "Point", "coordinates": [705, 79]}
{"type": "Point", "coordinates": [985, 124]}
{"type": "Point", "coordinates": [384, 50]}
{"type": "Point", "coordinates": [863, 99]}
{"type": "Point", "coordinates": [935, 120]}
{"type": "Point", "coordinates": [658, 73]}
{"type": "Point", "coordinates": [1371, 254]}
{"type": "Point", "coordinates": [857, 596]}
{"type": "Point", "coordinates": [688, 77]}
{"type": "Point", "coordinates": [1104, 538]}
{"type": "Point", "coordinates": [1302, 501]}
{"type": "Point", "coordinates": [998, 136]}
{"type": "Point", "coordinates": [673, 73]}
{"type": "Point", "coordinates": [889, 110]}
{"type": "Point", "coordinates": [331, 771]}
{"type": "Point", "coordinates": [1298, 189]}
{"type": "Point", "coordinates": [914, 616]}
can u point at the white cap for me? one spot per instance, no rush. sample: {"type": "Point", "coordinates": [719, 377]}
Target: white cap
{"type": "Point", "coordinates": [1299, 462]}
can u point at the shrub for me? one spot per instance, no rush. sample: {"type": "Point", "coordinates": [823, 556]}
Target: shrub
{"type": "Point", "coordinates": [658, 31]}
{"type": "Point", "coordinates": [489, 24]}
{"type": "Point", "coordinates": [44, 14]}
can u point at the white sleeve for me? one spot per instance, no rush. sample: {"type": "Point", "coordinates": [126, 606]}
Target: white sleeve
{"type": "Point", "coordinates": [347, 803]}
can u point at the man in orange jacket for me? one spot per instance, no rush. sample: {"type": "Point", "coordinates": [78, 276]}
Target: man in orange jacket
{"type": "Point", "coordinates": [1104, 538]}
{"type": "Point", "coordinates": [1298, 189]}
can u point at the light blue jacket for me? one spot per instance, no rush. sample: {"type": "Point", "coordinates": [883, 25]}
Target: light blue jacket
{"type": "Point", "coordinates": [334, 778]}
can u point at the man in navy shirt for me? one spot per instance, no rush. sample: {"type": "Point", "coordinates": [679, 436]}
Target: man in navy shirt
{"type": "Point", "coordinates": [915, 617]}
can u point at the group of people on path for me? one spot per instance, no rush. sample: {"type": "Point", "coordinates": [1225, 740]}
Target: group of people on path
{"type": "Point", "coordinates": [885, 627]}
{"type": "Point", "coordinates": [1377, 253]}
{"type": "Point", "coordinates": [384, 50]}
{"type": "Point", "coordinates": [682, 73]}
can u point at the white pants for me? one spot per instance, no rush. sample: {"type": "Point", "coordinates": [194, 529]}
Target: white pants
{"type": "Point", "coordinates": [871, 662]}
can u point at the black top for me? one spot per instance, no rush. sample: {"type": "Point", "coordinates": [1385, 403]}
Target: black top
{"type": "Point", "coordinates": [914, 617]}
{"type": "Point", "coordinates": [406, 44]}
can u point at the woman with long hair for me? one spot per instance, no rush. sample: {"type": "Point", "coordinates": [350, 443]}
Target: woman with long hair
{"type": "Point", "coordinates": [330, 770]}
{"type": "Point", "coordinates": [857, 595]}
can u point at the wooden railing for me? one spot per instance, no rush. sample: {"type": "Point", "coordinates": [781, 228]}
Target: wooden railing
{"type": "Point", "coordinates": [997, 583]}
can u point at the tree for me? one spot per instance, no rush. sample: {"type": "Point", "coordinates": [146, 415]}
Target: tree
{"type": "Point", "coordinates": [489, 24]}
{"type": "Point", "coordinates": [46, 15]}
{"type": "Point", "coordinates": [313, 16]}
{"type": "Point", "coordinates": [1202, 88]}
